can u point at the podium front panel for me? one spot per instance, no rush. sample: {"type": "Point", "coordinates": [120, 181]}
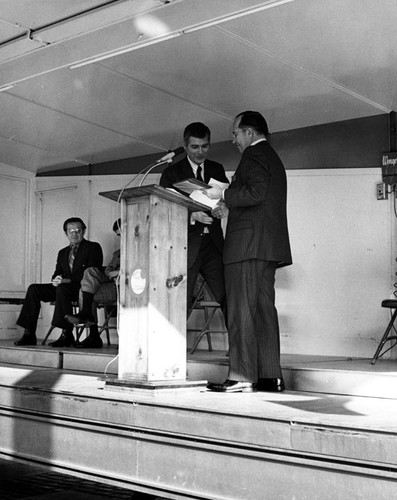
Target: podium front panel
{"type": "Point", "coordinates": [152, 330]}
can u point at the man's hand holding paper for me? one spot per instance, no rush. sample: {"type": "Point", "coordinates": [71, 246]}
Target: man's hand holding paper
{"type": "Point", "coordinates": [216, 190]}
{"type": "Point", "coordinates": [220, 210]}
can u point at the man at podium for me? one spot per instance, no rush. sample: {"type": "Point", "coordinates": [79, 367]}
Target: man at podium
{"type": "Point", "coordinates": [205, 236]}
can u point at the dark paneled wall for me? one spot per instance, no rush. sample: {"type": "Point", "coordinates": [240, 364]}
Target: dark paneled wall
{"type": "Point", "coordinates": [348, 144]}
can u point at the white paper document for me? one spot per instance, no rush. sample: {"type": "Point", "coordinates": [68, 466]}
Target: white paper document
{"type": "Point", "coordinates": [200, 197]}
{"type": "Point", "coordinates": [222, 185]}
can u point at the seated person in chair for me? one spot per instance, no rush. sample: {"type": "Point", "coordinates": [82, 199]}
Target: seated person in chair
{"type": "Point", "coordinates": [64, 288]}
{"type": "Point", "coordinates": [96, 282]}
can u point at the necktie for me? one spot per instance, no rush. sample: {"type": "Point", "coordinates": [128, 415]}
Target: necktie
{"type": "Point", "coordinates": [72, 255]}
{"type": "Point", "coordinates": [198, 174]}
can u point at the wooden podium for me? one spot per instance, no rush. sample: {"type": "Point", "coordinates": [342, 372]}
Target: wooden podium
{"type": "Point", "coordinates": [152, 297]}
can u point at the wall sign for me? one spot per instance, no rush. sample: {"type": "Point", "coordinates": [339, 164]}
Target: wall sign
{"type": "Point", "coordinates": [389, 168]}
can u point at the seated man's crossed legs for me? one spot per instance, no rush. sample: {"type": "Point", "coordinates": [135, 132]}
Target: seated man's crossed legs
{"type": "Point", "coordinates": [94, 280]}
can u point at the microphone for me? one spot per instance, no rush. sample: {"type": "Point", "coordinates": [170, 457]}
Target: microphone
{"type": "Point", "coordinates": [171, 155]}
{"type": "Point", "coordinates": [146, 170]}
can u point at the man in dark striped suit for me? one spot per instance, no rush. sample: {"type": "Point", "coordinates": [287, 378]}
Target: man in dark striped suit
{"type": "Point", "coordinates": [256, 244]}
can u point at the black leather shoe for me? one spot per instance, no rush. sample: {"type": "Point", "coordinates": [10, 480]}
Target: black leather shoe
{"type": "Point", "coordinates": [28, 338]}
{"type": "Point", "coordinates": [90, 342]}
{"type": "Point", "coordinates": [232, 386]}
{"type": "Point", "coordinates": [271, 385]}
{"type": "Point", "coordinates": [80, 319]}
{"type": "Point", "coordinates": [65, 340]}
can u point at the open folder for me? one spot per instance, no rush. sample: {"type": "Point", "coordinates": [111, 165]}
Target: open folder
{"type": "Point", "coordinates": [195, 188]}
{"type": "Point", "coordinates": [190, 185]}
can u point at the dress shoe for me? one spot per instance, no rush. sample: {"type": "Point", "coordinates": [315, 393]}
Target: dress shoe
{"type": "Point", "coordinates": [271, 385]}
{"type": "Point", "coordinates": [80, 319]}
{"type": "Point", "coordinates": [65, 340]}
{"type": "Point", "coordinates": [90, 342]}
{"type": "Point", "coordinates": [28, 338]}
{"type": "Point", "coordinates": [232, 386]}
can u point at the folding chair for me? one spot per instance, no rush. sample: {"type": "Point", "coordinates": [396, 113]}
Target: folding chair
{"type": "Point", "coordinates": [79, 328]}
{"type": "Point", "coordinates": [392, 305]}
{"type": "Point", "coordinates": [204, 302]}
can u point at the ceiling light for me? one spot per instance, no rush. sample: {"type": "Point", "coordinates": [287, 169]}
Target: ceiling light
{"type": "Point", "coordinates": [6, 87]}
{"type": "Point", "coordinates": [236, 15]}
{"type": "Point", "coordinates": [124, 50]}
{"type": "Point", "coordinates": [190, 29]}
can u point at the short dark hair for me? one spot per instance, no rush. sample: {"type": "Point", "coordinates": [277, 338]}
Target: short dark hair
{"type": "Point", "coordinates": [196, 129]}
{"type": "Point", "coordinates": [117, 225]}
{"type": "Point", "coordinates": [72, 220]}
{"type": "Point", "coordinates": [253, 119]}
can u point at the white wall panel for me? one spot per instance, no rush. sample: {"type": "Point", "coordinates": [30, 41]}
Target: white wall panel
{"type": "Point", "coordinates": [343, 248]}
{"type": "Point", "coordinates": [343, 244]}
{"type": "Point", "coordinates": [15, 187]}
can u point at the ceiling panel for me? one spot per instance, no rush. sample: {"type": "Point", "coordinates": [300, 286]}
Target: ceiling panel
{"type": "Point", "coordinates": [60, 134]}
{"type": "Point", "coordinates": [302, 63]}
{"type": "Point", "coordinates": [351, 42]}
{"type": "Point", "coordinates": [37, 13]}
{"type": "Point", "coordinates": [16, 153]}
{"type": "Point", "coordinates": [237, 76]}
{"type": "Point", "coordinates": [116, 102]}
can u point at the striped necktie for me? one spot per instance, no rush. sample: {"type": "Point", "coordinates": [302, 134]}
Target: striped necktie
{"type": "Point", "coordinates": [72, 255]}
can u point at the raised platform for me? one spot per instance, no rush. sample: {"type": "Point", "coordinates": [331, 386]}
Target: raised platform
{"type": "Point", "coordinates": [325, 374]}
{"type": "Point", "coordinates": [298, 444]}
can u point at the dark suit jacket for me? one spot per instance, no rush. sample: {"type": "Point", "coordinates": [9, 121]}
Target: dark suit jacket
{"type": "Point", "coordinates": [257, 201]}
{"type": "Point", "coordinates": [181, 171]}
{"type": "Point", "coordinates": [89, 254]}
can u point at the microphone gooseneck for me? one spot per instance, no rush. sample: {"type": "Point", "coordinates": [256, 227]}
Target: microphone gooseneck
{"type": "Point", "coordinates": [171, 154]}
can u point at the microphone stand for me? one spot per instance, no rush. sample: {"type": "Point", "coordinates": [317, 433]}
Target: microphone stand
{"type": "Point", "coordinates": [148, 170]}
{"type": "Point", "coordinates": [169, 160]}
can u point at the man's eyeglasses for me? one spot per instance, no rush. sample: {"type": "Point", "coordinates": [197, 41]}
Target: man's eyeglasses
{"type": "Point", "coordinates": [236, 132]}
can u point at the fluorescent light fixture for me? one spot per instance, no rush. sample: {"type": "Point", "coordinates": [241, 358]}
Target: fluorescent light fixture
{"type": "Point", "coordinates": [175, 34]}
{"type": "Point", "coordinates": [6, 87]}
{"type": "Point", "coordinates": [124, 50]}
{"type": "Point", "coordinates": [236, 15]}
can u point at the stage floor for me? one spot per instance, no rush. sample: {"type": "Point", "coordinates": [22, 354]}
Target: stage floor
{"type": "Point", "coordinates": [343, 445]}
{"type": "Point", "coordinates": [290, 406]}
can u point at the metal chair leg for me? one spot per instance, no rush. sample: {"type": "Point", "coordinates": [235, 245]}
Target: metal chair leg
{"type": "Point", "coordinates": [205, 330]}
{"type": "Point", "coordinates": [385, 338]}
{"type": "Point", "coordinates": [109, 310]}
{"type": "Point", "coordinates": [48, 334]}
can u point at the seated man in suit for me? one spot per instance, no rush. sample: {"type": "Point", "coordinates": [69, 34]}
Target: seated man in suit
{"type": "Point", "coordinates": [205, 237]}
{"type": "Point", "coordinates": [64, 288]}
{"type": "Point", "coordinates": [96, 282]}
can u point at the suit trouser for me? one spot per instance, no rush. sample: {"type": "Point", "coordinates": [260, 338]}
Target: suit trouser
{"type": "Point", "coordinates": [254, 336]}
{"type": "Point", "coordinates": [94, 280]}
{"type": "Point", "coordinates": [209, 263]}
{"type": "Point", "coordinates": [63, 295]}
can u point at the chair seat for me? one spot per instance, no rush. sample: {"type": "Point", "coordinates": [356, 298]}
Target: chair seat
{"type": "Point", "coordinates": [390, 303]}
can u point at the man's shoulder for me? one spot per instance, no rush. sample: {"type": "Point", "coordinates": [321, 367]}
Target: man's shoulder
{"type": "Point", "coordinates": [174, 167]}
{"type": "Point", "coordinates": [90, 244]}
{"type": "Point", "coordinates": [64, 249]}
{"type": "Point", "coordinates": [262, 149]}
{"type": "Point", "coordinates": [213, 164]}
